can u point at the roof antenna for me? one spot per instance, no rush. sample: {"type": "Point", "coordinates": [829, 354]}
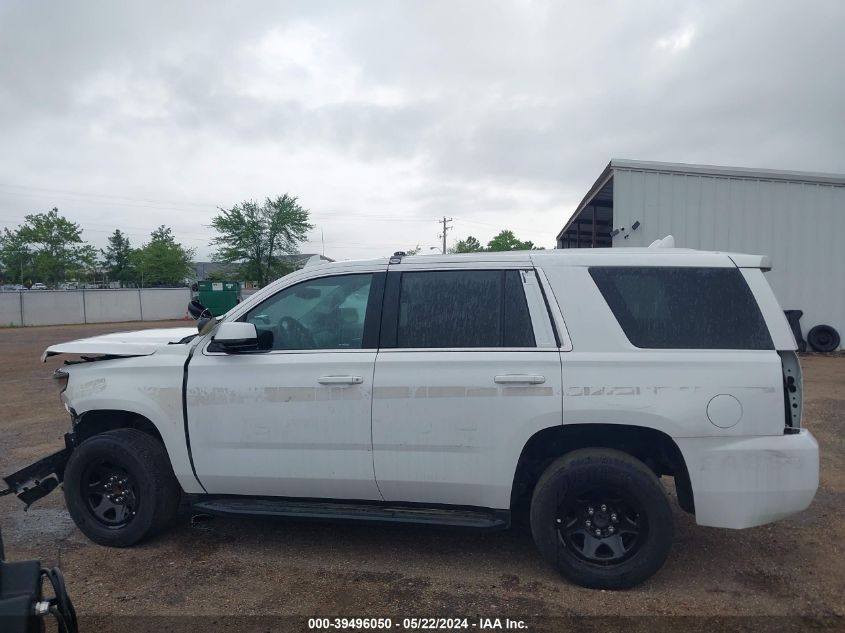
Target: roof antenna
{"type": "Point", "coordinates": [666, 242]}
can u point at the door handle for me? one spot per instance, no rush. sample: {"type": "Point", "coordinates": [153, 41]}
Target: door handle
{"type": "Point", "coordinates": [511, 379]}
{"type": "Point", "coordinates": [340, 380]}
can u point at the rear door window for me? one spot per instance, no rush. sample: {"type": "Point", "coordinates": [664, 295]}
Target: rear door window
{"type": "Point", "coordinates": [463, 309]}
{"type": "Point", "coordinates": [683, 307]}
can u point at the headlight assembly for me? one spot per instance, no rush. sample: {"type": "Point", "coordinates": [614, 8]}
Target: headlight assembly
{"type": "Point", "coordinates": [61, 377]}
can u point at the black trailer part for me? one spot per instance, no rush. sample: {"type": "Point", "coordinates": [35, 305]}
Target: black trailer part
{"type": "Point", "coordinates": [37, 480]}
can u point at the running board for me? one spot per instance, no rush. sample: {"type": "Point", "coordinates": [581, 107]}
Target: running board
{"type": "Point", "coordinates": [340, 511]}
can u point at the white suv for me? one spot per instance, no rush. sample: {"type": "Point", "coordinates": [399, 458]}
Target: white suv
{"type": "Point", "coordinates": [455, 390]}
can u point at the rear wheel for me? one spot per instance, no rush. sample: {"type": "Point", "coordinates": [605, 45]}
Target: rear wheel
{"type": "Point", "coordinates": [120, 488]}
{"type": "Point", "coordinates": [601, 517]}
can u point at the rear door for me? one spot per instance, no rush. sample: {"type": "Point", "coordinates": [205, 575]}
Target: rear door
{"type": "Point", "coordinates": [468, 369]}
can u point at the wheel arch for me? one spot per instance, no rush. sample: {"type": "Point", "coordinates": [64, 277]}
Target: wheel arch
{"type": "Point", "coordinates": [98, 421]}
{"type": "Point", "coordinates": [654, 448]}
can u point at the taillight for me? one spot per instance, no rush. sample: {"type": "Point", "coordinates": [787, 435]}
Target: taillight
{"type": "Point", "coordinates": [793, 387]}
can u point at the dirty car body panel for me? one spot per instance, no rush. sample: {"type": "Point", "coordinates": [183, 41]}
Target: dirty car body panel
{"type": "Point", "coordinates": [314, 423]}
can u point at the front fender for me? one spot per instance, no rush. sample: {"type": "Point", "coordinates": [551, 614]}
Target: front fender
{"type": "Point", "coordinates": [148, 386]}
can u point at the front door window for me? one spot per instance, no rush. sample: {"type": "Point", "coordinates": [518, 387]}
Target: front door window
{"type": "Point", "coordinates": [326, 313]}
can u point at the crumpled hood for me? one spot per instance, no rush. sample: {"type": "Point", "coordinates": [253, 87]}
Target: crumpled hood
{"type": "Point", "coordinates": [138, 343]}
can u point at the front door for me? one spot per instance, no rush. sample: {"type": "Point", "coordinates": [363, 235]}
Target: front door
{"type": "Point", "coordinates": [293, 419]}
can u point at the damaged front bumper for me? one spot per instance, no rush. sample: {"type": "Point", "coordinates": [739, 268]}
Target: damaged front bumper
{"type": "Point", "coordinates": [39, 479]}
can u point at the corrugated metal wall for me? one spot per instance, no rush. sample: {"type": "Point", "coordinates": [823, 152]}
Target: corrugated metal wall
{"type": "Point", "coordinates": [800, 225]}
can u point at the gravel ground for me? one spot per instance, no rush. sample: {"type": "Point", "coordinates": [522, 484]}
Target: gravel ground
{"type": "Point", "coordinates": [268, 575]}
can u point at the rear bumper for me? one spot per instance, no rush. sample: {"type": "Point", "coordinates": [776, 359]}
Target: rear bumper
{"type": "Point", "coordinates": [743, 482]}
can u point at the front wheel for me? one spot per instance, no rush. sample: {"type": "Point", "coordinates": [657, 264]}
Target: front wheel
{"type": "Point", "coordinates": [120, 488]}
{"type": "Point", "coordinates": [602, 518]}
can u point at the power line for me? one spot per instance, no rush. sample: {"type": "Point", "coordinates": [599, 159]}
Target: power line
{"type": "Point", "coordinates": [106, 195]}
{"type": "Point", "coordinates": [502, 226]}
{"type": "Point", "coordinates": [171, 205]}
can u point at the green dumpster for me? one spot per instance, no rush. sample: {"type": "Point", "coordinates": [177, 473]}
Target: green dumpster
{"type": "Point", "coordinates": [218, 296]}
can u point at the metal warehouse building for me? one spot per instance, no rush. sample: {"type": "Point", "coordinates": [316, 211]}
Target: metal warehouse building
{"type": "Point", "coordinates": [796, 218]}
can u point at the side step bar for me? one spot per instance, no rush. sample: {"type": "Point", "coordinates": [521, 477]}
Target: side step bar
{"type": "Point", "coordinates": [345, 511]}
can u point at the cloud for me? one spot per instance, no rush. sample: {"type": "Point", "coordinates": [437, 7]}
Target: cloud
{"type": "Point", "coordinates": [678, 40]}
{"type": "Point", "coordinates": [384, 116]}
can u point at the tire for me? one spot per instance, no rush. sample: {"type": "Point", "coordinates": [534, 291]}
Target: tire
{"type": "Point", "coordinates": [823, 338]}
{"type": "Point", "coordinates": [120, 488]}
{"type": "Point", "coordinates": [610, 491]}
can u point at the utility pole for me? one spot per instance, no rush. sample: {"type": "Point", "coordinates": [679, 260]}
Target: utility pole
{"type": "Point", "coordinates": [445, 222]}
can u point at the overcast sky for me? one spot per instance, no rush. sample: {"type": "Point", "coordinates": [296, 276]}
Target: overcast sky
{"type": "Point", "coordinates": [384, 116]}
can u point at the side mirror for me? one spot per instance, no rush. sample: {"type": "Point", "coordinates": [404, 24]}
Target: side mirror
{"type": "Point", "coordinates": [234, 337]}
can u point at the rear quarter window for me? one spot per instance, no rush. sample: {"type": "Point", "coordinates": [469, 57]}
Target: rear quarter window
{"type": "Point", "coordinates": [683, 307]}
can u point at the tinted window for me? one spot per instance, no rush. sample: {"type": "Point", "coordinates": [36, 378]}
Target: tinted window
{"type": "Point", "coordinates": [325, 313]}
{"type": "Point", "coordinates": [518, 331]}
{"type": "Point", "coordinates": [466, 308]}
{"type": "Point", "coordinates": [683, 308]}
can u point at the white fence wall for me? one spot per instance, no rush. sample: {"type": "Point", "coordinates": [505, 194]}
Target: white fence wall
{"type": "Point", "coordinates": [45, 307]}
{"type": "Point", "coordinates": [60, 307]}
{"type": "Point", "coordinates": [158, 304]}
{"type": "Point", "coordinates": [109, 306]}
{"type": "Point", "coordinates": [10, 308]}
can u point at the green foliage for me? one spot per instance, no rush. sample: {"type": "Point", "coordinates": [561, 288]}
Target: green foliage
{"type": "Point", "coordinates": [117, 258]}
{"type": "Point", "coordinates": [46, 248]}
{"type": "Point", "coordinates": [469, 245]}
{"type": "Point", "coordinates": [504, 241]}
{"type": "Point", "coordinates": [254, 235]}
{"type": "Point", "coordinates": [162, 261]}
{"type": "Point", "coordinates": [507, 241]}
{"type": "Point", "coordinates": [15, 257]}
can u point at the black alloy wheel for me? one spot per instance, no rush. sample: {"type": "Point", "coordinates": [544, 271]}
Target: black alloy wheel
{"type": "Point", "coordinates": [120, 488]}
{"type": "Point", "coordinates": [111, 493]}
{"type": "Point", "coordinates": [602, 518]}
{"type": "Point", "coordinates": [601, 526]}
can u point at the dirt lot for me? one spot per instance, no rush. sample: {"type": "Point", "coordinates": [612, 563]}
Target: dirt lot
{"type": "Point", "coordinates": [229, 568]}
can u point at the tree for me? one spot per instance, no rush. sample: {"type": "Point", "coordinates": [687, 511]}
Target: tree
{"type": "Point", "coordinates": [254, 235]}
{"type": "Point", "coordinates": [15, 257]}
{"type": "Point", "coordinates": [117, 258]}
{"type": "Point", "coordinates": [163, 261]}
{"type": "Point", "coordinates": [469, 245]}
{"type": "Point", "coordinates": [507, 241]}
{"type": "Point", "coordinates": [46, 247]}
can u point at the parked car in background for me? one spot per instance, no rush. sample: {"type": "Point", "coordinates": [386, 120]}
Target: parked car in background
{"type": "Point", "coordinates": [456, 390]}
{"type": "Point", "coordinates": [38, 286]}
